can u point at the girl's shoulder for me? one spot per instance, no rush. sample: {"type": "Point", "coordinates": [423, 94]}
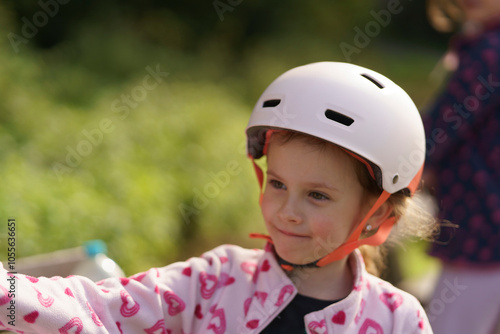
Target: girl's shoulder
{"type": "Point", "coordinates": [402, 305]}
{"type": "Point", "coordinates": [235, 251]}
{"type": "Point", "coordinates": [400, 309]}
{"type": "Point", "coordinates": [376, 290]}
{"type": "Point", "coordinates": [232, 255]}
{"type": "Point", "coordinates": [388, 293]}
{"type": "Point", "coordinates": [223, 258]}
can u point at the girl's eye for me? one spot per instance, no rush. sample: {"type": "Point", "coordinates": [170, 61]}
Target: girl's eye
{"type": "Point", "coordinates": [318, 196]}
{"type": "Point", "coordinates": [277, 184]}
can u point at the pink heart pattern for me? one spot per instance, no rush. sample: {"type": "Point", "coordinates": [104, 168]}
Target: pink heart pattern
{"type": "Point", "coordinates": [371, 327]}
{"type": "Point", "coordinates": [75, 322]}
{"type": "Point", "coordinates": [124, 280]}
{"type": "Point", "coordinates": [197, 311]}
{"type": "Point", "coordinates": [317, 327]}
{"type": "Point", "coordinates": [420, 320]}
{"type": "Point", "coordinates": [138, 277]}
{"type": "Point", "coordinates": [224, 280]}
{"type": "Point", "coordinates": [261, 296]}
{"type": "Point", "coordinates": [69, 292]}
{"type": "Point", "coordinates": [218, 321]}
{"type": "Point", "coordinates": [252, 324]}
{"type": "Point", "coordinates": [248, 267]}
{"type": "Point", "coordinates": [95, 317]}
{"type": "Point", "coordinates": [286, 290]}
{"type": "Point", "coordinates": [186, 271]}
{"type": "Point", "coordinates": [214, 317]}
{"type": "Point", "coordinates": [158, 328]}
{"type": "Point", "coordinates": [45, 301]}
{"type": "Point", "coordinates": [129, 306]}
{"type": "Point", "coordinates": [393, 300]}
{"type": "Point", "coordinates": [31, 317]}
{"type": "Point", "coordinates": [208, 284]}
{"type": "Point", "coordinates": [263, 268]}
{"type": "Point", "coordinates": [32, 279]}
{"type": "Point", "coordinates": [175, 304]}
{"type": "Point", "coordinates": [5, 298]}
{"type": "Point", "coordinates": [119, 325]}
{"type": "Point", "coordinates": [246, 305]}
{"type": "Point", "coordinates": [339, 318]}
{"type": "Point", "coordinates": [360, 313]}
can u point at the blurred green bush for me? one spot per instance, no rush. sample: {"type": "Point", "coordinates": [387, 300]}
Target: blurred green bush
{"type": "Point", "coordinates": [89, 150]}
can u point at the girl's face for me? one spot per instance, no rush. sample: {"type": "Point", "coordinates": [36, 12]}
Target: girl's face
{"type": "Point", "coordinates": [312, 199]}
{"type": "Point", "coordinates": [480, 11]}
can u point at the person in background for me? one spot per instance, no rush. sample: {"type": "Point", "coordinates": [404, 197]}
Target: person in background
{"type": "Point", "coordinates": [463, 168]}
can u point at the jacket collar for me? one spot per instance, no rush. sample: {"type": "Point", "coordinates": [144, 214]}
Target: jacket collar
{"type": "Point", "coordinates": [274, 291]}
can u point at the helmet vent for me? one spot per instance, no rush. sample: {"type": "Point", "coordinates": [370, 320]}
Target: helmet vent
{"type": "Point", "coordinates": [378, 84]}
{"type": "Point", "coordinates": [338, 117]}
{"type": "Point", "coordinates": [271, 103]}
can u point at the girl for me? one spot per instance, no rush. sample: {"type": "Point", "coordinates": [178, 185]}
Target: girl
{"type": "Point", "coordinates": [463, 167]}
{"type": "Point", "coordinates": [345, 149]}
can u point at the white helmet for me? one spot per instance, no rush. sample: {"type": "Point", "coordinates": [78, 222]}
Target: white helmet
{"type": "Point", "coordinates": [353, 107]}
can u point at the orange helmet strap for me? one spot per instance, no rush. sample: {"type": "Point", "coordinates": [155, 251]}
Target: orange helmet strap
{"type": "Point", "coordinates": [353, 240]}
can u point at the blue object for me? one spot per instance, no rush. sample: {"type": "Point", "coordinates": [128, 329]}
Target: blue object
{"type": "Point", "coordinates": [94, 247]}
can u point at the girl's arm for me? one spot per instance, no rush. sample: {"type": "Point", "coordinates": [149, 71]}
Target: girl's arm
{"type": "Point", "coordinates": [139, 304]}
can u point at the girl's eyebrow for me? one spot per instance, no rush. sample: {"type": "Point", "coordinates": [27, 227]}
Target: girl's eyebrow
{"type": "Point", "coordinates": [309, 184]}
{"type": "Point", "coordinates": [271, 173]}
{"type": "Point", "coordinates": [322, 185]}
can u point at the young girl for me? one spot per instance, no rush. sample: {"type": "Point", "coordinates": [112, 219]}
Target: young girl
{"type": "Point", "coordinates": [463, 168]}
{"type": "Point", "coordinates": [345, 149]}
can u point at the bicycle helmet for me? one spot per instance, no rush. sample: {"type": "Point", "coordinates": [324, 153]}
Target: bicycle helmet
{"type": "Point", "coordinates": [358, 109]}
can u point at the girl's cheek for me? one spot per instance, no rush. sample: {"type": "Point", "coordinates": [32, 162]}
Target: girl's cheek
{"type": "Point", "coordinates": [265, 207]}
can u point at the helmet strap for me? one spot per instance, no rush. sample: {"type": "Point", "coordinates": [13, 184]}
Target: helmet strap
{"type": "Point", "coordinates": [353, 241]}
{"type": "Point", "coordinates": [260, 178]}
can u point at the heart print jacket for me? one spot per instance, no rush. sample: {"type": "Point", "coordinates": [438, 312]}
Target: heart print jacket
{"type": "Point", "coordinates": [227, 290]}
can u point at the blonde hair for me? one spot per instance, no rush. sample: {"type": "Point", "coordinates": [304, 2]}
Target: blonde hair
{"type": "Point", "coordinates": [413, 220]}
{"type": "Point", "coordinates": [444, 15]}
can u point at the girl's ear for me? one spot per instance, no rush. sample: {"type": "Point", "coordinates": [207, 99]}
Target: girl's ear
{"type": "Point", "coordinates": [380, 216]}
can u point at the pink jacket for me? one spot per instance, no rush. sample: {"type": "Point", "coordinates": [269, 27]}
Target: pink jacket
{"type": "Point", "coordinates": [226, 290]}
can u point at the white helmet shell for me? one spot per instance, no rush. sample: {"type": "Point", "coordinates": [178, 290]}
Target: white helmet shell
{"type": "Point", "coordinates": [348, 105]}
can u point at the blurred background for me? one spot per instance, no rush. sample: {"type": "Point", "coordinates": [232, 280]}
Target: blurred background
{"type": "Point", "coordinates": [124, 120]}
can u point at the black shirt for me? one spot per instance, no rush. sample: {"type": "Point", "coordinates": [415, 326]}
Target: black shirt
{"type": "Point", "coordinates": [291, 319]}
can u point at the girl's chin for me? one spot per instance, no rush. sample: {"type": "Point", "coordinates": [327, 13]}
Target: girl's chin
{"type": "Point", "coordinates": [295, 257]}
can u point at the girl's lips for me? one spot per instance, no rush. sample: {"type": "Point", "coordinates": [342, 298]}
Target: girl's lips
{"type": "Point", "coordinates": [290, 234]}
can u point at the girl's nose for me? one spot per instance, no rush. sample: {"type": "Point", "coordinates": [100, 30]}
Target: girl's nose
{"type": "Point", "coordinates": [290, 211]}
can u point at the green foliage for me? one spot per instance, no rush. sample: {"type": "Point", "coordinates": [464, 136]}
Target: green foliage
{"type": "Point", "coordinates": [165, 176]}
{"type": "Point", "coordinates": [127, 185]}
